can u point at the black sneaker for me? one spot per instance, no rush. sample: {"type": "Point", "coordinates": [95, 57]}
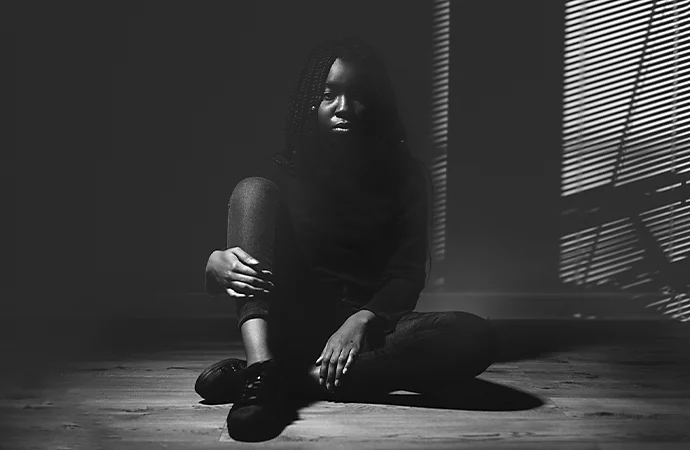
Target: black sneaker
{"type": "Point", "coordinates": [222, 382]}
{"type": "Point", "coordinates": [256, 415]}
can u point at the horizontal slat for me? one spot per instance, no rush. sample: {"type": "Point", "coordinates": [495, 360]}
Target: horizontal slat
{"type": "Point", "coordinates": [620, 257]}
{"type": "Point", "coordinates": [617, 237]}
{"type": "Point", "coordinates": [652, 163]}
{"type": "Point", "coordinates": [620, 254]}
{"type": "Point", "coordinates": [577, 127]}
{"type": "Point", "coordinates": [672, 138]}
{"type": "Point", "coordinates": [597, 19]}
{"type": "Point", "coordinates": [584, 17]}
{"type": "Point", "coordinates": [628, 206]}
{"type": "Point", "coordinates": [601, 66]}
{"type": "Point", "coordinates": [644, 128]}
{"type": "Point", "coordinates": [649, 83]}
{"type": "Point", "coordinates": [575, 7]}
{"type": "Point", "coordinates": [591, 148]}
{"type": "Point", "coordinates": [576, 65]}
{"type": "Point", "coordinates": [641, 124]}
{"type": "Point", "coordinates": [577, 43]}
{"type": "Point", "coordinates": [605, 109]}
{"type": "Point", "coordinates": [676, 220]}
{"type": "Point", "coordinates": [664, 83]}
{"type": "Point", "coordinates": [654, 63]}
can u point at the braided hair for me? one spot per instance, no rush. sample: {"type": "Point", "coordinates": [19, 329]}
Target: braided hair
{"type": "Point", "coordinates": [301, 121]}
{"type": "Point", "coordinates": [300, 124]}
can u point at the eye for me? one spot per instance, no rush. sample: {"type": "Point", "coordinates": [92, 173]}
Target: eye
{"type": "Point", "coordinates": [328, 96]}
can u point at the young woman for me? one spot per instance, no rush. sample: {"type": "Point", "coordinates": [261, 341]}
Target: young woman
{"type": "Point", "coordinates": [326, 256]}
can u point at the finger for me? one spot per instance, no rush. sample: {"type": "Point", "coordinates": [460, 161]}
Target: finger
{"type": "Point", "coordinates": [239, 272]}
{"type": "Point", "coordinates": [238, 267]}
{"type": "Point", "coordinates": [342, 359]}
{"type": "Point", "coordinates": [350, 359]}
{"type": "Point", "coordinates": [332, 367]}
{"type": "Point", "coordinates": [245, 257]}
{"type": "Point", "coordinates": [245, 288]}
{"type": "Point", "coordinates": [244, 260]}
{"type": "Point", "coordinates": [253, 281]}
{"type": "Point", "coordinates": [323, 372]}
{"type": "Point", "coordinates": [236, 294]}
{"type": "Point", "coordinates": [318, 360]}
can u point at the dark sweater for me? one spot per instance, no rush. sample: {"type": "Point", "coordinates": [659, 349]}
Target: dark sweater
{"type": "Point", "coordinates": [357, 236]}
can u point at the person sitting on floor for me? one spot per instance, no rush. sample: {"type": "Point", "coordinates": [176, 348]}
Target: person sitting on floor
{"type": "Point", "coordinates": [326, 256]}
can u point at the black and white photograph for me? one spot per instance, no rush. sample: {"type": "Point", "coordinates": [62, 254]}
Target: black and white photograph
{"type": "Point", "coordinates": [364, 224]}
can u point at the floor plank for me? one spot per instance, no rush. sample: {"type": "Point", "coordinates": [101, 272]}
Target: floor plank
{"type": "Point", "coordinates": [616, 393]}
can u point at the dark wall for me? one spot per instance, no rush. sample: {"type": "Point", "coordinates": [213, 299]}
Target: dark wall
{"type": "Point", "coordinates": [136, 119]}
{"type": "Point", "coordinates": [505, 146]}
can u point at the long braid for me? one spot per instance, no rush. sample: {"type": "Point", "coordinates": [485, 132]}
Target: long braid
{"type": "Point", "coordinates": [301, 120]}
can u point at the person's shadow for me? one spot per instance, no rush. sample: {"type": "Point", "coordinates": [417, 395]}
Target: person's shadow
{"type": "Point", "coordinates": [472, 395]}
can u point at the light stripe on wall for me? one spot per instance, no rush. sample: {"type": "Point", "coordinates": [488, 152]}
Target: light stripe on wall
{"type": "Point", "coordinates": [440, 89]}
{"type": "Point", "coordinates": [626, 149]}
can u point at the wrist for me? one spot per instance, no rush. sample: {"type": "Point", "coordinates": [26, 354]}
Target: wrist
{"type": "Point", "coordinates": [212, 265]}
{"type": "Point", "coordinates": [363, 316]}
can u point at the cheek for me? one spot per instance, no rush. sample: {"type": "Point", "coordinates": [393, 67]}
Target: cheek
{"type": "Point", "coordinates": [323, 115]}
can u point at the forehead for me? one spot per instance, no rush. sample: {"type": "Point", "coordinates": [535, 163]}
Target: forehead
{"type": "Point", "coordinates": [344, 73]}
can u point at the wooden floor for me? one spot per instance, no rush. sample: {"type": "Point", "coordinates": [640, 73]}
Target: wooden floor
{"type": "Point", "coordinates": [128, 384]}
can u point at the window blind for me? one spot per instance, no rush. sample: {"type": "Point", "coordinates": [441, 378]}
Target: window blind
{"type": "Point", "coordinates": [626, 149]}
{"type": "Point", "coordinates": [440, 77]}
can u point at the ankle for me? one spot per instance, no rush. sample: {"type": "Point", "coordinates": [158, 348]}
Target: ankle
{"type": "Point", "coordinates": [258, 359]}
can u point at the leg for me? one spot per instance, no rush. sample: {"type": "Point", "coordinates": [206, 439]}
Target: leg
{"type": "Point", "coordinates": [259, 222]}
{"type": "Point", "coordinates": [426, 350]}
{"type": "Point", "coordinates": [252, 214]}
{"type": "Point", "coordinates": [255, 224]}
{"type": "Point", "coordinates": [252, 220]}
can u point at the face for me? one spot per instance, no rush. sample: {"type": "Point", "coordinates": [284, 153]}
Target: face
{"type": "Point", "coordinates": [343, 104]}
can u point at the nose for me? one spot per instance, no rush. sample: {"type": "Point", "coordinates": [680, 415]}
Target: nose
{"type": "Point", "coordinates": [343, 105]}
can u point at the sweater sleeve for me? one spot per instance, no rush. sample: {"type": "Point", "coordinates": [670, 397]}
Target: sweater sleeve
{"type": "Point", "coordinates": [404, 277]}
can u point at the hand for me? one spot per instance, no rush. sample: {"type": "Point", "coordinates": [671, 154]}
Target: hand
{"type": "Point", "coordinates": [231, 268]}
{"type": "Point", "coordinates": [341, 350]}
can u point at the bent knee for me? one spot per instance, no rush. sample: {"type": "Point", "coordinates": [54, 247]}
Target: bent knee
{"type": "Point", "coordinates": [463, 322]}
{"type": "Point", "coordinates": [251, 189]}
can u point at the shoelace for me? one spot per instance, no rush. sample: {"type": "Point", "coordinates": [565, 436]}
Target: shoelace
{"type": "Point", "coordinates": [254, 388]}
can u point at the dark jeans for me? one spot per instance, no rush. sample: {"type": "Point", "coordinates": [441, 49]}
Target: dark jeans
{"type": "Point", "coordinates": [433, 348]}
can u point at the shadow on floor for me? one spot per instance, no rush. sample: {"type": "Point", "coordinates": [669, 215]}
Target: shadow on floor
{"type": "Point", "coordinates": [475, 395]}
{"type": "Point", "coordinates": [530, 339]}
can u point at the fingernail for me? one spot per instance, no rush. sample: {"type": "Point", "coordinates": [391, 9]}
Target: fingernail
{"type": "Point", "coordinates": [253, 261]}
{"type": "Point", "coordinates": [345, 370]}
{"type": "Point", "coordinates": [337, 383]}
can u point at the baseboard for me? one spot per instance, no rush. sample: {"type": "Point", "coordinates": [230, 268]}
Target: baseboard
{"type": "Point", "coordinates": [497, 305]}
{"type": "Point", "coordinates": [489, 305]}
{"type": "Point", "coordinates": [547, 305]}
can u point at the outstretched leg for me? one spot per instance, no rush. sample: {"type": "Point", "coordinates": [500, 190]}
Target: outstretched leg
{"type": "Point", "coordinates": [426, 351]}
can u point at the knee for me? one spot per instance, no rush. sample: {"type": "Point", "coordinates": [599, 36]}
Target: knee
{"type": "Point", "coordinates": [454, 320]}
{"type": "Point", "coordinates": [466, 324]}
{"type": "Point", "coordinates": [253, 189]}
